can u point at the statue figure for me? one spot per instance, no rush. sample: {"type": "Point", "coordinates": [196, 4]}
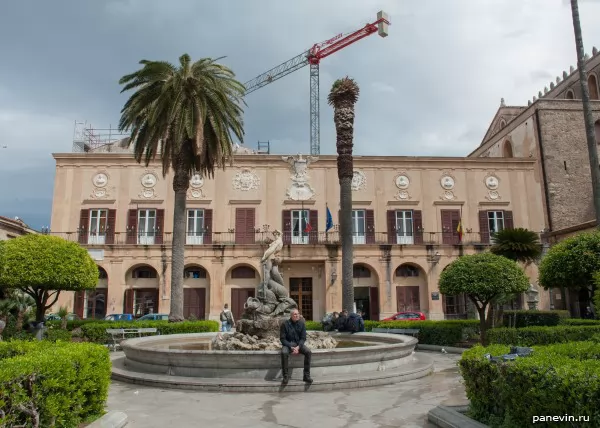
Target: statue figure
{"type": "Point", "coordinates": [274, 248]}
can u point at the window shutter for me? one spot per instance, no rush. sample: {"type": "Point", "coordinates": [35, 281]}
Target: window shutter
{"type": "Point", "coordinates": [484, 227]}
{"type": "Point", "coordinates": [128, 301]}
{"type": "Point", "coordinates": [244, 225]}
{"type": "Point", "coordinates": [160, 226]}
{"type": "Point", "coordinates": [79, 302]}
{"type": "Point", "coordinates": [250, 225]}
{"type": "Point", "coordinates": [313, 218]}
{"type": "Point", "coordinates": [447, 232]}
{"type": "Point", "coordinates": [110, 226]}
{"type": "Point", "coordinates": [84, 226]}
{"type": "Point", "coordinates": [418, 226]}
{"type": "Point", "coordinates": [391, 226]}
{"type": "Point", "coordinates": [508, 220]}
{"type": "Point", "coordinates": [286, 226]}
{"type": "Point", "coordinates": [370, 226]}
{"type": "Point", "coordinates": [208, 225]}
{"type": "Point", "coordinates": [132, 228]}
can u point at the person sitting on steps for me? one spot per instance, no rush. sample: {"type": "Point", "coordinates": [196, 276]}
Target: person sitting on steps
{"type": "Point", "coordinates": [293, 336]}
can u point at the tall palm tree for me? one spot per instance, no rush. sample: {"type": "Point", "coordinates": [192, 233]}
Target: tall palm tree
{"type": "Point", "coordinates": [187, 115]}
{"type": "Point", "coordinates": [520, 245]}
{"type": "Point", "coordinates": [343, 97]}
{"type": "Point", "coordinates": [588, 117]}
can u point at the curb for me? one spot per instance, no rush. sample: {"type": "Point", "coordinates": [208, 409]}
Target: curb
{"type": "Point", "coordinates": [112, 419]}
{"type": "Point", "coordinates": [449, 349]}
{"type": "Point", "coordinates": [450, 417]}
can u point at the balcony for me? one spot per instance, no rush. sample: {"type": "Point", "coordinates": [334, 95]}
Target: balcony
{"type": "Point", "coordinates": [233, 238]}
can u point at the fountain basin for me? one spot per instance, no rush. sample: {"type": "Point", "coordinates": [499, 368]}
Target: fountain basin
{"type": "Point", "coordinates": [175, 361]}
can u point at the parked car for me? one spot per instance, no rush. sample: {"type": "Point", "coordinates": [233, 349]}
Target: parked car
{"type": "Point", "coordinates": [55, 317]}
{"type": "Point", "coordinates": [406, 316]}
{"type": "Point", "coordinates": [119, 317]}
{"type": "Point", "coordinates": [154, 317]}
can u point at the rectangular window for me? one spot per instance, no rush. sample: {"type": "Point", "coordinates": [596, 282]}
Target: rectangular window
{"type": "Point", "coordinates": [195, 227]}
{"type": "Point", "coordinates": [97, 228]}
{"type": "Point", "coordinates": [358, 227]}
{"type": "Point", "coordinates": [404, 227]}
{"type": "Point", "coordinates": [299, 226]}
{"type": "Point", "coordinates": [495, 222]}
{"type": "Point", "coordinates": [146, 227]}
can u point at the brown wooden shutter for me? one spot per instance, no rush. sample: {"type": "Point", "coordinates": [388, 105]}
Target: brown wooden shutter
{"type": "Point", "coordinates": [160, 226]}
{"type": "Point", "coordinates": [418, 226]}
{"type": "Point", "coordinates": [250, 225]}
{"type": "Point", "coordinates": [128, 301]}
{"type": "Point", "coordinates": [447, 232]}
{"type": "Point", "coordinates": [484, 227]}
{"type": "Point", "coordinates": [373, 303]}
{"type": "Point", "coordinates": [110, 226]}
{"type": "Point", "coordinates": [286, 226]}
{"type": "Point", "coordinates": [391, 226]}
{"type": "Point", "coordinates": [208, 226]}
{"type": "Point", "coordinates": [84, 226]}
{"type": "Point", "coordinates": [508, 220]}
{"type": "Point", "coordinates": [370, 226]}
{"type": "Point", "coordinates": [79, 298]}
{"type": "Point", "coordinates": [244, 225]}
{"type": "Point", "coordinates": [132, 228]}
{"type": "Point", "coordinates": [313, 218]}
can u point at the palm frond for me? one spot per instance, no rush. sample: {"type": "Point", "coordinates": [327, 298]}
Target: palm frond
{"type": "Point", "coordinates": [517, 244]}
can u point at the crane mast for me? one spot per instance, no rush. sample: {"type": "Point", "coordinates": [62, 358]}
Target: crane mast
{"type": "Point", "coordinates": [313, 57]}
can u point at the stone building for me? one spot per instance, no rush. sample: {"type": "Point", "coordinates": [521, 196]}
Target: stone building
{"type": "Point", "coordinates": [11, 228]}
{"type": "Point", "coordinates": [406, 216]}
{"type": "Point", "coordinates": [551, 131]}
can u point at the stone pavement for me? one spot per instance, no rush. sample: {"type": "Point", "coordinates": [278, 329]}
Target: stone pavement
{"type": "Point", "coordinates": [402, 405]}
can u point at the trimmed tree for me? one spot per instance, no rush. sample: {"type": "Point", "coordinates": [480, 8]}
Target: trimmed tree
{"type": "Point", "coordinates": [572, 263]}
{"type": "Point", "coordinates": [42, 266]}
{"type": "Point", "coordinates": [483, 278]}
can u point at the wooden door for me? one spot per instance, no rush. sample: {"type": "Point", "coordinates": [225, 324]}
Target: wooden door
{"type": "Point", "coordinates": [374, 303]}
{"type": "Point", "coordinates": [194, 300]}
{"type": "Point", "coordinates": [145, 301]}
{"type": "Point", "coordinates": [238, 298]}
{"type": "Point", "coordinates": [244, 225]}
{"type": "Point", "coordinates": [450, 220]}
{"type": "Point", "coordinates": [302, 293]}
{"type": "Point", "coordinates": [407, 298]}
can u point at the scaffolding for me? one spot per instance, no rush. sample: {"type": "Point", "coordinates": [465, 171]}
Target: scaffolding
{"type": "Point", "coordinates": [88, 139]}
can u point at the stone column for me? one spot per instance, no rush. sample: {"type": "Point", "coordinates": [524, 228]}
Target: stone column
{"type": "Point", "coordinates": [116, 287]}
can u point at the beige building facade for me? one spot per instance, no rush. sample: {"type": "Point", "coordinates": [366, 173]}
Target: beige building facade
{"type": "Point", "coordinates": [406, 213]}
{"type": "Point", "coordinates": [11, 228]}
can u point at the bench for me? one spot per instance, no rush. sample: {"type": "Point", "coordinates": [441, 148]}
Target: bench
{"type": "Point", "coordinates": [117, 335]}
{"type": "Point", "coordinates": [409, 331]}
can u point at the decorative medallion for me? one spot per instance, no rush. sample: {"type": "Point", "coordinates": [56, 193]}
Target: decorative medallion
{"type": "Point", "coordinates": [147, 194]}
{"type": "Point", "coordinates": [99, 193]}
{"type": "Point", "coordinates": [402, 195]}
{"type": "Point", "coordinates": [491, 181]}
{"type": "Point", "coordinates": [149, 180]}
{"type": "Point", "coordinates": [299, 189]}
{"type": "Point", "coordinates": [448, 195]}
{"type": "Point", "coordinates": [447, 182]}
{"type": "Point", "coordinates": [195, 194]}
{"type": "Point", "coordinates": [359, 181]}
{"type": "Point", "coordinates": [246, 180]}
{"type": "Point", "coordinates": [100, 179]}
{"type": "Point", "coordinates": [402, 181]}
{"type": "Point", "coordinates": [493, 195]}
{"type": "Point", "coordinates": [196, 181]}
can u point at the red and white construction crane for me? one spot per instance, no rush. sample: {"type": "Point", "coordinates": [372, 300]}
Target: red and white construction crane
{"type": "Point", "coordinates": [313, 57]}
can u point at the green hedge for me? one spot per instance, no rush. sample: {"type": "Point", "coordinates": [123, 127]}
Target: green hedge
{"type": "Point", "coordinates": [556, 380]}
{"type": "Point", "coordinates": [64, 383]}
{"type": "Point", "coordinates": [530, 336]}
{"type": "Point", "coordinates": [96, 331]}
{"type": "Point", "coordinates": [520, 319]}
{"type": "Point", "coordinates": [577, 321]}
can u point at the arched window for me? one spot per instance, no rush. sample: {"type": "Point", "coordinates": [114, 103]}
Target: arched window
{"type": "Point", "coordinates": [570, 95]}
{"type": "Point", "coordinates": [508, 149]}
{"type": "Point", "coordinates": [593, 84]}
{"type": "Point", "coordinates": [361, 271]}
{"type": "Point", "coordinates": [502, 124]}
{"type": "Point", "coordinates": [407, 270]}
{"type": "Point", "coordinates": [144, 272]}
{"type": "Point", "coordinates": [243, 272]}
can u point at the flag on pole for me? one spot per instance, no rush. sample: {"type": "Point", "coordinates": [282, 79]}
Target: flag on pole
{"type": "Point", "coordinates": [329, 224]}
{"type": "Point", "coordinates": [459, 228]}
{"type": "Point", "coordinates": [308, 227]}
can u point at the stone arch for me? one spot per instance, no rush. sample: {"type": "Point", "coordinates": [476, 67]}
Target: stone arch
{"type": "Point", "coordinates": [593, 85]}
{"type": "Point", "coordinates": [142, 291]}
{"type": "Point", "coordinates": [196, 291]}
{"type": "Point", "coordinates": [366, 290]}
{"type": "Point", "coordinates": [502, 123]}
{"type": "Point", "coordinates": [507, 149]}
{"type": "Point", "coordinates": [411, 288]}
{"type": "Point", "coordinates": [241, 281]}
{"type": "Point", "coordinates": [570, 95]}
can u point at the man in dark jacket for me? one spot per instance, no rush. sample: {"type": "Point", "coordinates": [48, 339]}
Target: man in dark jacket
{"type": "Point", "coordinates": [292, 336]}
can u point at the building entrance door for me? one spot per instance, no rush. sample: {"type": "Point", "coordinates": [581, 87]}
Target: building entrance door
{"type": "Point", "coordinates": [301, 291]}
{"type": "Point", "coordinates": [238, 298]}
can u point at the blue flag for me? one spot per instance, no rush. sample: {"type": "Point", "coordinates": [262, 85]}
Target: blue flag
{"type": "Point", "coordinates": [329, 224]}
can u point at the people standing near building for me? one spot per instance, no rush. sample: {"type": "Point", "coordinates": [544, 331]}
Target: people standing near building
{"type": "Point", "coordinates": [293, 336]}
{"type": "Point", "coordinates": [226, 318]}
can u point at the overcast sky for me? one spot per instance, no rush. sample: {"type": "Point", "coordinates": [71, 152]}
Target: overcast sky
{"type": "Point", "coordinates": [430, 88]}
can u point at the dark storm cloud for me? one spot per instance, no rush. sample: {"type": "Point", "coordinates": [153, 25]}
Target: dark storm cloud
{"type": "Point", "coordinates": [430, 88]}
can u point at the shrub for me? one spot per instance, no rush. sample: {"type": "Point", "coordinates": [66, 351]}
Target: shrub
{"type": "Point", "coordinates": [555, 380]}
{"type": "Point", "coordinates": [62, 383]}
{"type": "Point", "coordinates": [96, 331]}
{"type": "Point", "coordinates": [520, 319]}
{"type": "Point", "coordinates": [578, 321]}
{"type": "Point", "coordinates": [529, 336]}
{"type": "Point", "coordinates": [72, 325]}
{"type": "Point", "coordinates": [314, 325]}
{"type": "Point", "coordinates": [54, 334]}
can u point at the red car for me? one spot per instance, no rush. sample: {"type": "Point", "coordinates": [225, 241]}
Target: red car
{"type": "Point", "coordinates": [406, 316]}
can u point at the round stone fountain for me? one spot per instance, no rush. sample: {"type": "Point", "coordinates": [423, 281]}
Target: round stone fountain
{"type": "Point", "coordinates": [187, 361]}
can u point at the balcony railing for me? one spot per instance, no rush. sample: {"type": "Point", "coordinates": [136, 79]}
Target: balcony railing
{"type": "Point", "coordinates": [265, 238]}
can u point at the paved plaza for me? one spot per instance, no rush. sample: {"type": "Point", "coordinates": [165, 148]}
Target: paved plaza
{"type": "Point", "coordinates": [402, 405]}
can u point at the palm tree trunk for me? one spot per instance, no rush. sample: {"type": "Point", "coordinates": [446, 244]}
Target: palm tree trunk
{"type": "Point", "coordinates": [587, 111]}
{"type": "Point", "coordinates": [347, 246]}
{"type": "Point", "coordinates": [180, 186]}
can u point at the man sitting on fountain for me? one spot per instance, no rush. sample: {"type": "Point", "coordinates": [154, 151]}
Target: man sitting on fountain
{"type": "Point", "coordinates": [293, 336]}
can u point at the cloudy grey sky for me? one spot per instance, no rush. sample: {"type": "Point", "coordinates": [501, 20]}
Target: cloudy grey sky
{"type": "Point", "coordinates": [430, 88]}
